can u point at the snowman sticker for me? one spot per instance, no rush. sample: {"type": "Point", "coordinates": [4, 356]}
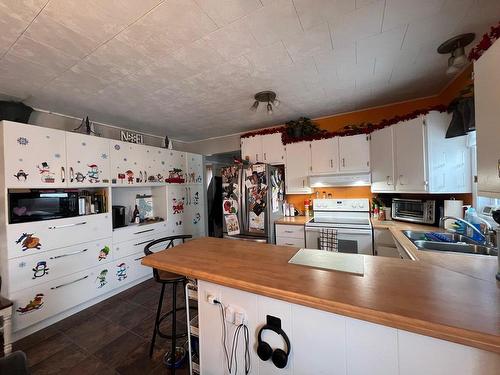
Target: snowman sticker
{"type": "Point", "coordinates": [40, 270]}
{"type": "Point", "coordinates": [93, 173]}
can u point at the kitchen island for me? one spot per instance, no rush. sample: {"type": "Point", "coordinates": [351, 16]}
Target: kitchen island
{"type": "Point", "coordinates": [400, 316]}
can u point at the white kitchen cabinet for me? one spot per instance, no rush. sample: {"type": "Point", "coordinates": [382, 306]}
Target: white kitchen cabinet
{"type": "Point", "coordinates": [176, 160]}
{"type": "Point", "coordinates": [297, 168]}
{"type": "Point", "coordinates": [290, 235]}
{"type": "Point", "coordinates": [325, 156]}
{"type": "Point", "coordinates": [273, 150]}
{"type": "Point", "coordinates": [382, 160]}
{"type": "Point", "coordinates": [39, 236]}
{"type": "Point", "coordinates": [154, 165]}
{"type": "Point", "coordinates": [251, 149]}
{"type": "Point", "coordinates": [88, 161]}
{"type": "Point", "coordinates": [410, 156]}
{"type": "Point", "coordinates": [128, 269]}
{"type": "Point", "coordinates": [195, 211]}
{"type": "Point", "coordinates": [354, 153]}
{"type": "Point", "coordinates": [127, 160]}
{"type": "Point", "coordinates": [487, 112]}
{"type": "Point", "coordinates": [34, 156]}
{"type": "Point", "coordinates": [194, 168]}
{"type": "Point", "coordinates": [176, 208]}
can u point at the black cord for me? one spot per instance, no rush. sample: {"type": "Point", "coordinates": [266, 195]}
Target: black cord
{"type": "Point", "coordinates": [247, 349]}
{"type": "Point", "coordinates": [223, 321]}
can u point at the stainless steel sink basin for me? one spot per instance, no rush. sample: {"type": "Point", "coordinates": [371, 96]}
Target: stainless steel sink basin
{"type": "Point", "coordinates": [455, 247]}
{"type": "Point", "coordinates": [454, 237]}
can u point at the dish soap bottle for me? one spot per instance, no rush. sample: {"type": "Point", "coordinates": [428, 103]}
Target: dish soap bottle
{"type": "Point", "coordinates": [472, 218]}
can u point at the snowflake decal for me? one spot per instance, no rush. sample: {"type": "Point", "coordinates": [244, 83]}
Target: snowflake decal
{"type": "Point", "coordinates": [124, 159]}
{"type": "Point", "coordinates": [162, 162]}
{"type": "Point", "coordinates": [84, 144]}
{"type": "Point", "coordinates": [104, 156]}
{"type": "Point", "coordinates": [57, 156]}
{"type": "Point", "coordinates": [78, 161]}
{"type": "Point", "coordinates": [117, 147]}
{"type": "Point", "coordinates": [47, 136]}
{"type": "Point", "coordinates": [23, 141]}
{"type": "Point", "coordinates": [20, 159]}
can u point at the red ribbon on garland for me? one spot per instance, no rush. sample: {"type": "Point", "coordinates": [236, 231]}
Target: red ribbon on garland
{"type": "Point", "coordinates": [485, 43]}
{"type": "Point", "coordinates": [364, 128]}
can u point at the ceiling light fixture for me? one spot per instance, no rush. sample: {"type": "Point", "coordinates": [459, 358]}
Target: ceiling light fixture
{"type": "Point", "coordinates": [268, 97]}
{"type": "Point", "coordinates": [456, 46]}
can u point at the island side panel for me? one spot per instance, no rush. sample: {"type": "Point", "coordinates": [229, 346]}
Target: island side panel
{"type": "Point", "coordinates": [328, 343]}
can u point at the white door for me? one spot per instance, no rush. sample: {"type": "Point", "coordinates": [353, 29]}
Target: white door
{"type": "Point", "coordinates": [127, 160]}
{"type": "Point", "coordinates": [88, 161]}
{"type": "Point", "coordinates": [35, 156]}
{"type": "Point", "coordinates": [176, 208]}
{"type": "Point", "coordinates": [354, 153]}
{"type": "Point", "coordinates": [487, 111]}
{"type": "Point", "coordinates": [176, 166]}
{"type": "Point", "coordinates": [195, 213]}
{"type": "Point", "coordinates": [298, 165]}
{"type": "Point", "coordinates": [382, 160]}
{"type": "Point", "coordinates": [409, 155]}
{"type": "Point", "coordinates": [251, 149]}
{"type": "Point", "coordinates": [155, 166]}
{"type": "Point", "coordinates": [273, 150]}
{"type": "Point", "coordinates": [324, 156]}
{"type": "Point", "coordinates": [194, 168]}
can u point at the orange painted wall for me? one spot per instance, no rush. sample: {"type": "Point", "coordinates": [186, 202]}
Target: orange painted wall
{"type": "Point", "coordinates": [374, 115]}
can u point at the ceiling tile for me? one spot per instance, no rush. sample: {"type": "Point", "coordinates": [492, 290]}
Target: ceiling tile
{"type": "Point", "coordinates": [264, 26]}
{"type": "Point", "coordinates": [314, 12]}
{"type": "Point", "coordinates": [384, 44]}
{"type": "Point", "coordinates": [47, 31]}
{"type": "Point", "coordinates": [23, 10]}
{"type": "Point", "coordinates": [274, 56]}
{"type": "Point", "coordinates": [14, 68]}
{"type": "Point", "coordinates": [199, 56]}
{"type": "Point", "coordinates": [38, 53]}
{"type": "Point", "coordinates": [224, 12]}
{"type": "Point", "coordinates": [312, 41]}
{"type": "Point", "coordinates": [401, 12]}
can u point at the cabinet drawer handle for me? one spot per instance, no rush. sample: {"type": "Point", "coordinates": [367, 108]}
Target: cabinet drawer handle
{"type": "Point", "coordinates": [63, 174]}
{"type": "Point", "coordinates": [400, 179]}
{"type": "Point", "coordinates": [69, 254]}
{"type": "Point", "coordinates": [144, 231]}
{"type": "Point", "coordinates": [71, 282]}
{"type": "Point", "coordinates": [139, 258]}
{"type": "Point", "coordinates": [343, 162]}
{"type": "Point", "coordinates": [265, 157]}
{"type": "Point", "coordinates": [389, 180]}
{"type": "Point", "coordinates": [71, 174]}
{"type": "Point", "coordinates": [289, 244]}
{"type": "Point", "coordinates": [143, 242]}
{"type": "Point", "coordinates": [68, 225]}
{"type": "Point", "coordinates": [288, 231]}
{"type": "Point", "coordinates": [331, 163]}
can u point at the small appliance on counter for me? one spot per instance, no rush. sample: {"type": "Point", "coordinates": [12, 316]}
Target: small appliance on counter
{"type": "Point", "coordinates": [416, 211]}
{"type": "Point", "coordinates": [119, 216]}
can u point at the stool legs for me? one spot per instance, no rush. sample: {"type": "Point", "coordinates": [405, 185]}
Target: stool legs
{"type": "Point", "coordinates": [156, 328]}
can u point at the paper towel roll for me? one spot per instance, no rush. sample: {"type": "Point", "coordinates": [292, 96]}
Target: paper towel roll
{"type": "Point", "coordinates": [453, 207]}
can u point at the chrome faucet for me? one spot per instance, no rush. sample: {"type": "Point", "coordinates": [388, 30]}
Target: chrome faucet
{"type": "Point", "coordinates": [487, 236]}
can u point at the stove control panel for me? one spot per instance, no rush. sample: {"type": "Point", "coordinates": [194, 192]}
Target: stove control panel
{"type": "Point", "coordinates": [362, 204]}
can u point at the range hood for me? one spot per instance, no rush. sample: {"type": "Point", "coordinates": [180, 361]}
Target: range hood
{"type": "Point", "coordinates": [463, 119]}
{"type": "Point", "coordinates": [358, 179]}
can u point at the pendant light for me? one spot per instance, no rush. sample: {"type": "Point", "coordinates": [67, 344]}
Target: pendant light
{"type": "Point", "coordinates": [456, 46]}
{"type": "Point", "coordinates": [268, 97]}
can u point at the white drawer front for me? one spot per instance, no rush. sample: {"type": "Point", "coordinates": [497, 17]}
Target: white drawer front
{"type": "Point", "coordinates": [33, 270]}
{"type": "Point", "coordinates": [33, 305]}
{"type": "Point", "coordinates": [36, 237]}
{"type": "Point", "coordinates": [290, 241]}
{"type": "Point", "coordinates": [133, 232]}
{"type": "Point", "coordinates": [295, 231]}
{"type": "Point", "coordinates": [129, 269]}
{"type": "Point", "coordinates": [136, 246]}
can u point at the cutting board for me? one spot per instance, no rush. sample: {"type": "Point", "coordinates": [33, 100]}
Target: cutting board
{"type": "Point", "coordinates": [329, 260]}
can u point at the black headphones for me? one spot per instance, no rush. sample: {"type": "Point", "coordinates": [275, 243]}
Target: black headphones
{"type": "Point", "coordinates": [264, 350]}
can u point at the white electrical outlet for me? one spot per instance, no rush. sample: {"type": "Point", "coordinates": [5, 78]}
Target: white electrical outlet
{"type": "Point", "coordinates": [240, 318]}
{"type": "Point", "coordinates": [212, 297]}
{"type": "Point", "coordinates": [229, 312]}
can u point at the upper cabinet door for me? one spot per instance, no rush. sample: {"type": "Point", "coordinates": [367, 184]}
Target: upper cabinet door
{"type": "Point", "coordinates": [325, 156]}
{"type": "Point", "coordinates": [127, 161]}
{"type": "Point", "coordinates": [409, 155]}
{"type": "Point", "coordinates": [155, 166]}
{"type": "Point", "coordinates": [487, 110]}
{"type": "Point", "coordinates": [88, 161]}
{"type": "Point", "coordinates": [273, 151]}
{"type": "Point", "coordinates": [382, 160]}
{"type": "Point", "coordinates": [176, 166]}
{"type": "Point", "coordinates": [35, 156]}
{"type": "Point", "coordinates": [251, 149]}
{"type": "Point", "coordinates": [354, 153]}
{"type": "Point", "coordinates": [194, 168]}
{"type": "Point", "coordinates": [298, 164]}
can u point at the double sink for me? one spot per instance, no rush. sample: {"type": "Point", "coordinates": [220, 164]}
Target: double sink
{"type": "Point", "coordinates": [454, 243]}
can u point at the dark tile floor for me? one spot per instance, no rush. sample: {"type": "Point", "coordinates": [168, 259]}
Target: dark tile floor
{"type": "Point", "coordinates": [111, 337]}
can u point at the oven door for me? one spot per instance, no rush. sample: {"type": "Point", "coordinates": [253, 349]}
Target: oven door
{"type": "Point", "coordinates": [350, 240]}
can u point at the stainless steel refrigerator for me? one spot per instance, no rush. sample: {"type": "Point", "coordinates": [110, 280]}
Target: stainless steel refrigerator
{"type": "Point", "coordinates": [252, 198]}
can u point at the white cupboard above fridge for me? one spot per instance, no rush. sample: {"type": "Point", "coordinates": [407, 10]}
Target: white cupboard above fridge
{"type": "Point", "coordinates": [266, 148]}
{"type": "Point", "coordinates": [354, 153]}
{"type": "Point", "coordinates": [325, 156]}
{"type": "Point", "coordinates": [297, 168]}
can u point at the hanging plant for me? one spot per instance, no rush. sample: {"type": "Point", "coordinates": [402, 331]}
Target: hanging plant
{"type": "Point", "coordinates": [303, 127]}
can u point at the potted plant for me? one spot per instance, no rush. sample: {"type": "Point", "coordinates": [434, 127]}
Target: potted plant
{"type": "Point", "coordinates": [302, 127]}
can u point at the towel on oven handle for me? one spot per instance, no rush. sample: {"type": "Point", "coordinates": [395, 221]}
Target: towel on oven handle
{"type": "Point", "coordinates": [328, 239]}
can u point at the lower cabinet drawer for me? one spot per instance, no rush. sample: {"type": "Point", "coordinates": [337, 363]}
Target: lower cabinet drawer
{"type": "Point", "coordinates": [134, 232]}
{"type": "Point", "coordinates": [33, 270]}
{"type": "Point", "coordinates": [295, 231]}
{"type": "Point", "coordinates": [137, 245]}
{"type": "Point", "coordinates": [35, 304]}
{"type": "Point", "coordinates": [129, 269]}
{"type": "Point", "coordinates": [288, 241]}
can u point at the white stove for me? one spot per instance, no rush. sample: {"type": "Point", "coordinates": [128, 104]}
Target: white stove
{"type": "Point", "coordinates": [349, 218]}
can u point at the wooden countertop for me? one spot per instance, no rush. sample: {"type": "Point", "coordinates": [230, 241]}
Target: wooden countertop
{"type": "Point", "coordinates": [293, 220]}
{"type": "Point", "coordinates": [413, 296]}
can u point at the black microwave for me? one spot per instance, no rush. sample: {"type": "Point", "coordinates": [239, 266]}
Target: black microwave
{"type": "Point", "coordinates": [37, 205]}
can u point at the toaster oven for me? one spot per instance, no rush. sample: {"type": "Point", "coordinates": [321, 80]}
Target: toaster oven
{"type": "Point", "coordinates": [415, 211]}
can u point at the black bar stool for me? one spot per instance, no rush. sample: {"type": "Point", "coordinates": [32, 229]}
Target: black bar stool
{"type": "Point", "coordinates": [165, 278]}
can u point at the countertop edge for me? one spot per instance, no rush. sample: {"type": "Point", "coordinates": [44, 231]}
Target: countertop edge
{"type": "Point", "coordinates": [462, 336]}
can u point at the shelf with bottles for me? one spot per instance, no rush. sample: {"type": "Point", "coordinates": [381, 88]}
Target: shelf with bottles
{"type": "Point", "coordinates": [193, 326]}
